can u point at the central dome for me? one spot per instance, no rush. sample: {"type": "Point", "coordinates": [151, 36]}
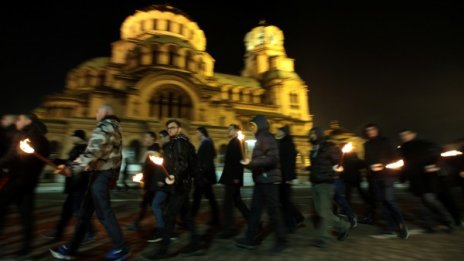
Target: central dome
{"type": "Point", "coordinates": [163, 20]}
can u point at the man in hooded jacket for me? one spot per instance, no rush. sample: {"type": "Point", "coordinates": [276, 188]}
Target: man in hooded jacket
{"type": "Point", "coordinates": [325, 156]}
{"type": "Point", "coordinates": [265, 168]}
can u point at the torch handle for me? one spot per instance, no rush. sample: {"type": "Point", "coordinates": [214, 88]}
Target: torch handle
{"type": "Point", "coordinates": [47, 161]}
{"type": "Point", "coordinates": [340, 162]}
{"type": "Point", "coordinates": [165, 172]}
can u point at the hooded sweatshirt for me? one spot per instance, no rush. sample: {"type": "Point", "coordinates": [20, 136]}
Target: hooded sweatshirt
{"type": "Point", "coordinates": [264, 163]}
{"type": "Point", "coordinates": [324, 155]}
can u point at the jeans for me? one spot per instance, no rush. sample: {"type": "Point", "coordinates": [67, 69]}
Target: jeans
{"type": "Point", "coordinates": [159, 199]}
{"type": "Point", "coordinates": [97, 199]}
{"type": "Point", "coordinates": [265, 195]}
{"type": "Point", "coordinates": [232, 200]}
{"type": "Point", "coordinates": [340, 199]}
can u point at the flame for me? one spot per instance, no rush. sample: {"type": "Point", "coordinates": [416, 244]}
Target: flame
{"type": "Point", "coordinates": [451, 153]}
{"type": "Point", "coordinates": [395, 165]}
{"type": "Point", "coordinates": [240, 135]}
{"type": "Point", "coordinates": [347, 148]}
{"type": "Point", "coordinates": [138, 178]}
{"type": "Point", "coordinates": [157, 160]}
{"type": "Point", "coordinates": [25, 146]}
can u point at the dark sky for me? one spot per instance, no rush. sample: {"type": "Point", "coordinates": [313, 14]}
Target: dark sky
{"type": "Point", "coordinates": [399, 66]}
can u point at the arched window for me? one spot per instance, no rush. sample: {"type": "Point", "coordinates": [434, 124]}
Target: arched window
{"type": "Point", "coordinates": [188, 60]}
{"type": "Point", "coordinates": [294, 104]}
{"type": "Point", "coordinates": [154, 54]}
{"type": "Point", "coordinates": [168, 25]}
{"type": "Point", "coordinates": [155, 24]}
{"type": "Point", "coordinates": [170, 102]}
{"type": "Point", "coordinates": [172, 55]}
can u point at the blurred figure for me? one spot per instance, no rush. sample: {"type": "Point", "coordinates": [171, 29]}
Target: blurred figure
{"type": "Point", "coordinates": [287, 154]}
{"type": "Point", "coordinates": [325, 156]}
{"type": "Point", "coordinates": [7, 132]}
{"type": "Point", "coordinates": [149, 170]}
{"type": "Point", "coordinates": [352, 177]}
{"type": "Point", "coordinates": [232, 179]}
{"type": "Point", "coordinates": [265, 166]}
{"type": "Point", "coordinates": [75, 187]}
{"type": "Point", "coordinates": [23, 176]}
{"type": "Point", "coordinates": [378, 152]}
{"type": "Point", "coordinates": [205, 177]}
{"type": "Point", "coordinates": [421, 169]}
{"type": "Point", "coordinates": [102, 158]}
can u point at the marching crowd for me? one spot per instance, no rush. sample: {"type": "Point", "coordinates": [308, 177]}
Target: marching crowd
{"type": "Point", "coordinates": [93, 166]}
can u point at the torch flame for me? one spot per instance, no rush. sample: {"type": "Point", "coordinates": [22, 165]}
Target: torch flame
{"type": "Point", "coordinates": [347, 148]}
{"type": "Point", "coordinates": [157, 160]}
{"type": "Point", "coordinates": [451, 153]}
{"type": "Point", "coordinates": [138, 178]}
{"type": "Point", "coordinates": [395, 165]}
{"type": "Point", "coordinates": [240, 135]}
{"type": "Point", "coordinates": [25, 146]}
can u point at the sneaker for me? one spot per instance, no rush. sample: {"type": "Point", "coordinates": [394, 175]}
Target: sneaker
{"type": "Point", "coordinates": [403, 233]}
{"type": "Point", "coordinates": [62, 253]}
{"type": "Point", "coordinates": [244, 243]}
{"type": "Point", "coordinates": [50, 235]}
{"type": "Point", "coordinates": [155, 238]}
{"type": "Point", "coordinates": [117, 254]}
{"type": "Point", "coordinates": [354, 222]}
{"type": "Point", "coordinates": [342, 236]}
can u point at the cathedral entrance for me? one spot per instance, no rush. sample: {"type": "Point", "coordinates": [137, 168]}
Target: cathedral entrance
{"type": "Point", "coordinates": [170, 102]}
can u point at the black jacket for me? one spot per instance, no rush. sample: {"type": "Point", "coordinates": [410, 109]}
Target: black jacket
{"type": "Point", "coordinates": [6, 137]}
{"type": "Point", "coordinates": [287, 155]}
{"type": "Point", "coordinates": [206, 174]}
{"type": "Point", "coordinates": [233, 169]}
{"type": "Point", "coordinates": [352, 169]}
{"type": "Point", "coordinates": [153, 176]}
{"type": "Point", "coordinates": [25, 169]}
{"type": "Point", "coordinates": [324, 156]}
{"type": "Point", "coordinates": [265, 163]}
{"type": "Point", "coordinates": [380, 150]}
{"type": "Point", "coordinates": [416, 155]}
{"type": "Point", "coordinates": [181, 161]}
{"type": "Point", "coordinates": [75, 182]}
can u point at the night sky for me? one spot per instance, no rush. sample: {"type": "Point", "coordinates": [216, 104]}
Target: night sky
{"type": "Point", "coordinates": [399, 66]}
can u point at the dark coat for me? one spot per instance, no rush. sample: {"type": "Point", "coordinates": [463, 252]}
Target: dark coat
{"type": "Point", "coordinates": [323, 156]}
{"type": "Point", "coordinates": [233, 169]}
{"type": "Point", "coordinates": [153, 176]}
{"type": "Point", "coordinates": [206, 174]}
{"type": "Point", "coordinates": [181, 161]}
{"type": "Point", "coordinates": [287, 155]}
{"type": "Point", "coordinates": [380, 150]}
{"type": "Point", "coordinates": [76, 182]}
{"type": "Point", "coordinates": [6, 137]}
{"type": "Point", "coordinates": [352, 169]}
{"type": "Point", "coordinates": [23, 168]}
{"type": "Point", "coordinates": [265, 162]}
{"type": "Point", "coordinates": [416, 155]}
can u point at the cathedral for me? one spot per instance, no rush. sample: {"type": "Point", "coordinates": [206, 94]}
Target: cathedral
{"type": "Point", "coordinates": [160, 69]}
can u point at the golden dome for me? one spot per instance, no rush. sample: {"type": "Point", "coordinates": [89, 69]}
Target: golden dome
{"type": "Point", "coordinates": [163, 20]}
{"type": "Point", "coordinates": [264, 35]}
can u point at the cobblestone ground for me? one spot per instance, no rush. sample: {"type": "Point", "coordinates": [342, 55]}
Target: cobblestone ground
{"type": "Point", "coordinates": [360, 245]}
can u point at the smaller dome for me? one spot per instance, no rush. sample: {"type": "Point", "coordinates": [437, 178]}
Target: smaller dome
{"type": "Point", "coordinates": [264, 35]}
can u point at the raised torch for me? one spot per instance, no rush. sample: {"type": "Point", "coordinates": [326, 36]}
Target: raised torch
{"type": "Point", "coordinates": [170, 179]}
{"type": "Point", "coordinates": [25, 146]}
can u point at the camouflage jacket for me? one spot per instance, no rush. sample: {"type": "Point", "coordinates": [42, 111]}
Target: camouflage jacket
{"type": "Point", "coordinates": [104, 149]}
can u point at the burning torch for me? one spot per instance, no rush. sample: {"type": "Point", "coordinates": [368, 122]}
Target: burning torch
{"type": "Point", "coordinates": [170, 179]}
{"type": "Point", "coordinates": [25, 146]}
{"type": "Point", "coordinates": [241, 138]}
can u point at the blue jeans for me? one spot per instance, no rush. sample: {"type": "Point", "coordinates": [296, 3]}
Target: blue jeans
{"type": "Point", "coordinates": [158, 200]}
{"type": "Point", "coordinates": [340, 199]}
{"type": "Point", "coordinates": [391, 212]}
{"type": "Point", "coordinates": [97, 199]}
